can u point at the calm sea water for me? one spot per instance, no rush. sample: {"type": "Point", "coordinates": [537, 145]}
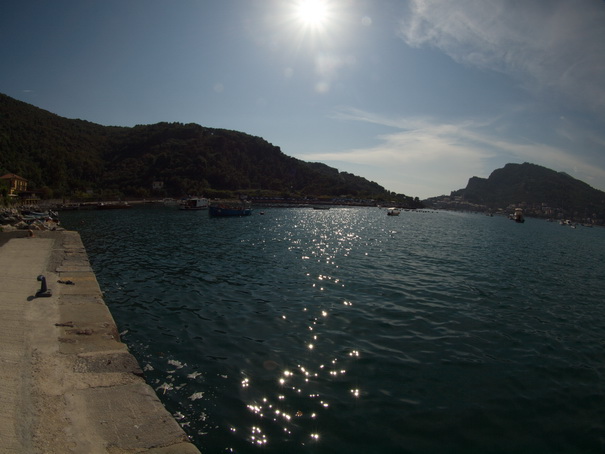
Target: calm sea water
{"type": "Point", "coordinates": [348, 331]}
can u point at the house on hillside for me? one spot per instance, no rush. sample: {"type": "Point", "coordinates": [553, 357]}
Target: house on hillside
{"type": "Point", "coordinates": [16, 184]}
{"type": "Point", "coordinates": [17, 188]}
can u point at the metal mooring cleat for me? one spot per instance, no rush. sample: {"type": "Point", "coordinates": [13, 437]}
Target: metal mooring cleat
{"type": "Point", "coordinates": [43, 292]}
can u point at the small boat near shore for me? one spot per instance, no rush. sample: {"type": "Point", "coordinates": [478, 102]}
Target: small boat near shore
{"type": "Point", "coordinates": [393, 211]}
{"type": "Point", "coordinates": [194, 203]}
{"type": "Point", "coordinates": [230, 208]}
{"type": "Point", "coordinates": [517, 216]}
{"type": "Point", "coordinates": [168, 201]}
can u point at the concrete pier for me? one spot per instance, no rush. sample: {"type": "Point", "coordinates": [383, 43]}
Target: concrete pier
{"type": "Point", "coordinates": [68, 384]}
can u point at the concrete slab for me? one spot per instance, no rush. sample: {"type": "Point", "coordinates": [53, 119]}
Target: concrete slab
{"type": "Point", "coordinates": [69, 385]}
{"type": "Point", "coordinates": [108, 362]}
{"type": "Point", "coordinates": [129, 417]}
{"type": "Point", "coordinates": [181, 448]}
{"type": "Point", "coordinates": [21, 261]}
{"type": "Point", "coordinates": [74, 269]}
{"type": "Point", "coordinates": [86, 325]}
{"type": "Point", "coordinates": [83, 283]}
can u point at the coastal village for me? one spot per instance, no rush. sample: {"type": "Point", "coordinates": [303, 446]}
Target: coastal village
{"type": "Point", "coordinates": [25, 209]}
{"type": "Point", "coordinates": [537, 210]}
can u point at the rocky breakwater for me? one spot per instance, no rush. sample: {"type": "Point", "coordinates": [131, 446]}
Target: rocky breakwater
{"type": "Point", "coordinates": [77, 389]}
{"type": "Point", "coordinates": [12, 219]}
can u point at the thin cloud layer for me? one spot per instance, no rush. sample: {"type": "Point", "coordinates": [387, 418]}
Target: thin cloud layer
{"type": "Point", "coordinates": [554, 45]}
{"type": "Point", "coordinates": [433, 157]}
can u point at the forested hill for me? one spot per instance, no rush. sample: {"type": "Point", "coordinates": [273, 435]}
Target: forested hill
{"type": "Point", "coordinates": [64, 157]}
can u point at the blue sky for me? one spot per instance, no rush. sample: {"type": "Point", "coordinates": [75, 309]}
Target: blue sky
{"type": "Point", "coordinates": [417, 95]}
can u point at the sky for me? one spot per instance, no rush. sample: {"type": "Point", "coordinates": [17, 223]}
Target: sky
{"type": "Point", "coordinates": [416, 95]}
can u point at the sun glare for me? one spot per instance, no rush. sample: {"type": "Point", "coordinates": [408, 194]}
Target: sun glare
{"type": "Point", "coordinates": [312, 12]}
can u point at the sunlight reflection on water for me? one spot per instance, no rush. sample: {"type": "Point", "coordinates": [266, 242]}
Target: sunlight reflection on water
{"type": "Point", "coordinates": [347, 331]}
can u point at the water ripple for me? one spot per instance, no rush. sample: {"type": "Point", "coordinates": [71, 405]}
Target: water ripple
{"type": "Point", "coordinates": [347, 331]}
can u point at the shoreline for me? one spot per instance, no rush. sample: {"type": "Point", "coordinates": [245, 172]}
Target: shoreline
{"type": "Point", "coordinates": [69, 384]}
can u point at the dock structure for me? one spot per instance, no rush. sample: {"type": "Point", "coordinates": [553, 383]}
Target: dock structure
{"type": "Point", "coordinates": [69, 385]}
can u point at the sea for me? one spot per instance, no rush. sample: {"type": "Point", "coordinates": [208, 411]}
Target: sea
{"type": "Point", "coordinates": [348, 331]}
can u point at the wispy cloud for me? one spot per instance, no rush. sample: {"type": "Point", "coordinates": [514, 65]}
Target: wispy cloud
{"type": "Point", "coordinates": [419, 139]}
{"type": "Point", "coordinates": [425, 156]}
{"type": "Point", "coordinates": [557, 46]}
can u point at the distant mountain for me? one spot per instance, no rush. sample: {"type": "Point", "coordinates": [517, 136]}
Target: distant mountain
{"type": "Point", "coordinates": [63, 157]}
{"type": "Point", "coordinates": [540, 191]}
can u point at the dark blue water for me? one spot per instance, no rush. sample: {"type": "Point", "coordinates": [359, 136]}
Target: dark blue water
{"type": "Point", "coordinates": [349, 331]}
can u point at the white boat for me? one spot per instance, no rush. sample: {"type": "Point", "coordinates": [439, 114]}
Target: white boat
{"type": "Point", "coordinates": [194, 203]}
{"type": "Point", "coordinates": [393, 211]}
{"type": "Point", "coordinates": [517, 216]}
{"type": "Point", "coordinates": [169, 202]}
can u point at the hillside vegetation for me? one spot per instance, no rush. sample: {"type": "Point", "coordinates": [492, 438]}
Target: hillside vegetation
{"type": "Point", "coordinates": [63, 158]}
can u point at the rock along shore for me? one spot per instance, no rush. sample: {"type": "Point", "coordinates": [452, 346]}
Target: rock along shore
{"type": "Point", "coordinates": [69, 385]}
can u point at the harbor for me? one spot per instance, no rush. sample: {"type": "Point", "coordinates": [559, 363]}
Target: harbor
{"type": "Point", "coordinates": [266, 333]}
{"type": "Point", "coordinates": [347, 331]}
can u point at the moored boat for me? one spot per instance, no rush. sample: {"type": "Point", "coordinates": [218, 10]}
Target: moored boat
{"type": "Point", "coordinates": [49, 215]}
{"type": "Point", "coordinates": [230, 208]}
{"type": "Point", "coordinates": [393, 211]}
{"type": "Point", "coordinates": [517, 216]}
{"type": "Point", "coordinates": [169, 202]}
{"type": "Point", "coordinates": [194, 203]}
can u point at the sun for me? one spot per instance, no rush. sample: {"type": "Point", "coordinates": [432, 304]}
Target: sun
{"type": "Point", "coordinates": [312, 13]}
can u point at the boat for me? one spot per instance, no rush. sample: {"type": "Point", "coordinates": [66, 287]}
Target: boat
{"type": "Point", "coordinates": [49, 215]}
{"type": "Point", "coordinates": [393, 211]}
{"type": "Point", "coordinates": [169, 201]}
{"type": "Point", "coordinates": [230, 208]}
{"type": "Point", "coordinates": [194, 203]}
{"type": "Point", "coordinates": [517, 216]}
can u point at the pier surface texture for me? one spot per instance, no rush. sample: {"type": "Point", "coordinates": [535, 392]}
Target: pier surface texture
{"type": "Point", "coordinates": [68, 384]}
